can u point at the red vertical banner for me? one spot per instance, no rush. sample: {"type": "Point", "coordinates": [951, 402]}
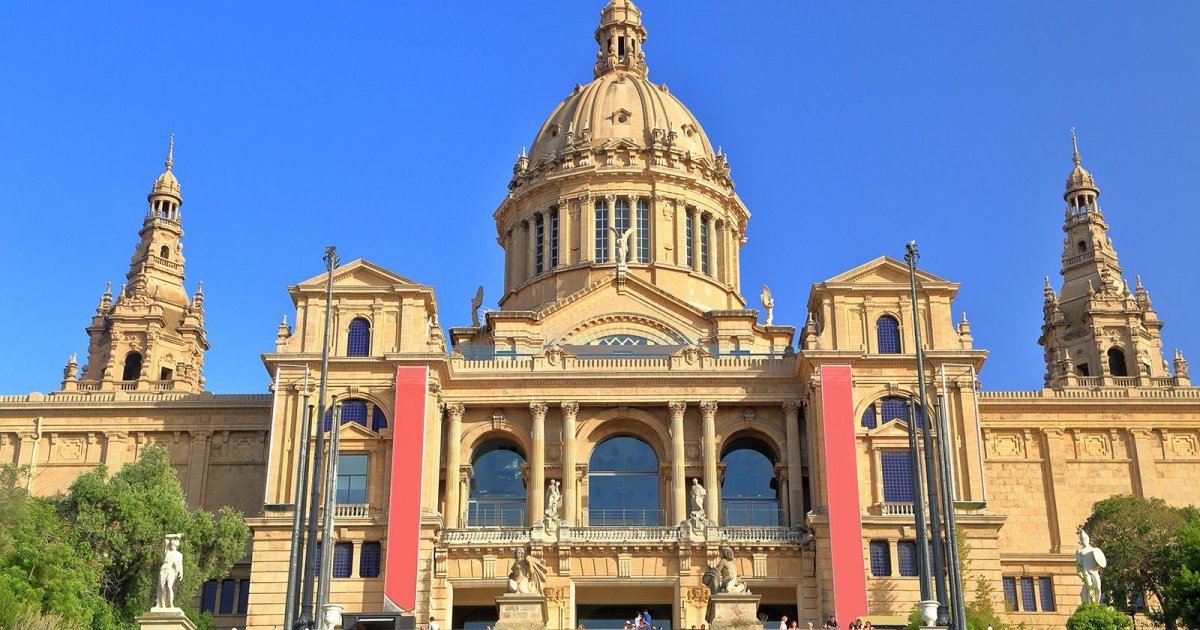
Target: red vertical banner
{"type": "Point", "coordinates": [841, 474]}
{"type": "Point", "coordinates": [404, 509]}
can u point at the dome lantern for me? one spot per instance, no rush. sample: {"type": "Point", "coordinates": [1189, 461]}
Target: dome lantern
{"type": "Point", "coordinates": [620, 36]}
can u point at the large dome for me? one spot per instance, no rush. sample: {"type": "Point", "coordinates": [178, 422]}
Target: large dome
{"type": "Point", "coordinates": [622, 105]}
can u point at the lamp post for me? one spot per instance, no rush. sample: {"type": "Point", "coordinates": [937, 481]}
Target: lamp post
{"type": "Point", "coordinates": [954, 568]}
{"type": "Point", "coordinates": [295, 555]}
{"type": "Point", "coordinates": [943, 618]}
{"type": "Point", "coordinates": [914, 477]}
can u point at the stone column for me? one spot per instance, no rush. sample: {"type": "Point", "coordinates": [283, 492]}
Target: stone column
{"type": "Point", "coordinates": [1144, 479]}
{"type": "Point", "coordinates": [587, 229]}
{"type": "Point", "coordinates": [678, 471]}
{"type": "Point", "coordinates": [197, 467]}
{"type": "Point", "coordinates": [611, 200]}
{"type": "Point", "coordinates": [695, 214]}
{"type": "Point", "coordinates": [519, 253]}
{"type": "Point", "coordinates": [678, 218]}
{"type": "Point", "coordinates": [712, 245]}
{"type": "Point", "coordinates": [784, 491]}
{"type": "Point", "coordinates": [569, 411]}
{"type": "Point", "coordinates": [454, 414]}
{"type": "Point", "coordinates": [712, 500]}
{"type": "Point", "coordinates": [537, 463]}
{"type": "Point", "coordinates": [530, 247]}
{"type": "Point", "coordinates": [795, 495]}
{"type": "Point", "coordinates": [566, 228]}
{"type": "Point", "coordinates": [114, 450]}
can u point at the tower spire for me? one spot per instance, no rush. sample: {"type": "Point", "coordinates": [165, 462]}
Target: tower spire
{"type": "Point", "coordinates": [170, 153]}
{"type": "Point", "coordinates": [1075, 146]}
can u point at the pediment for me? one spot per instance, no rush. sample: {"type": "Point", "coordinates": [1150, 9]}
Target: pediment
{"type": "Point", "coordinates": [884, 270]}
{"type": "Point", "coordinates": [361, 273]}
{"type": "Point", "coordinates": [890, 429]}
{"type": "Point", "coordinates": [354, 430]}
{"type": "Point", "coordinates": [619, 143]}
{"type": "Point", "coordinates": [632, 305]}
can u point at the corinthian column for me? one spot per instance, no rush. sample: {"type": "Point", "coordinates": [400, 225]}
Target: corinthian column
{"type": "Point", "coordinates": [712, 500]}
{"type": "Point", "coordinates": [537, 463]}
{"type": "Point", "coordinates": [795, 494]}
{"type": "Point", "coordinates": [454, 414]}
{"type": "Point", "coordinates": [569, 411]}
{"type": "Point", "coordinates": [678, 480]}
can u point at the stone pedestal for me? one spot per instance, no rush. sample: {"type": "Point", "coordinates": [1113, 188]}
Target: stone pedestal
{"type": "Point", "coordinates": [521, 611]}
{"type": "Point", "coordinates": [733, 611]}
{"type": "Point", "coordinates": [165, 619]}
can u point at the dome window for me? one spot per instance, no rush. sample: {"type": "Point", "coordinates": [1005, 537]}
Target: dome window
{"type": "Point", "coordinates": [621, 116]}
{"type": "Point", "coordinates": [554, 129]}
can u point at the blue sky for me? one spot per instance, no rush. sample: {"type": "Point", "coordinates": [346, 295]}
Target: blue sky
{"type": "Point", "coordinates": [389, 129]}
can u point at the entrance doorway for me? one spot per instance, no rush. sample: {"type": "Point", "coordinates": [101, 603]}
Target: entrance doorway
{"type": "Point", "coordinates": [473, 617]}
{"type": "Point", "coordinates": [614, 616]}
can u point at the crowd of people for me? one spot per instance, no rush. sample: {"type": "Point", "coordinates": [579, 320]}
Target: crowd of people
{"type": "Point", "coordinates": [643, 621]}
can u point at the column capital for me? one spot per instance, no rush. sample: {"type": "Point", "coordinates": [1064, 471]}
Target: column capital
{"type": "Point", "coordinates": [708, 409]}
{"type": "Point", "coordinates": [203, 435]}
{"type": "Point", "coordinates": [569, 410]}
{"type": "Point", "coordinates": [538, 410]}
{"type": "Point", "coordinates": [791, 409]}
{"type": "Point", "coordinates": [612, 201]}
{"type": "Point", "coordinates": [1141, 432]}
{"type": "Point", "coordinates": [677, 408]}
{"type": "Point", "coordinates": [454, 411]}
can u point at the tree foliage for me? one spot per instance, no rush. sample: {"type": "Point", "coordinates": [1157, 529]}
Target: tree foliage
{"type": "Point", "coordinates": [1098, 617]}
{"type": "Point", "coordinates": [1184, 585]}
{"type": "Point", "coordinates": [1139, 538]}
{"type": "Point", "coordinates": [91, 557]}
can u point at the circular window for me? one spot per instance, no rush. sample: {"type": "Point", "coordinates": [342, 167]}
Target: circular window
{"type": "Point", "coordinates": [622, 118]}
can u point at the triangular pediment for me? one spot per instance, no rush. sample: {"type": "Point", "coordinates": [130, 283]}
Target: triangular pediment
{"type": "Point", "coordinates": [361, 273]}
{"type": "Point", "coordinates": [892, 428]}
{"type": "Point", "coordinates": [619, 143]}
{"type": "Point", "coordinates": [354, 430]}
{"type": "Point", "coordinates": [884, 270]}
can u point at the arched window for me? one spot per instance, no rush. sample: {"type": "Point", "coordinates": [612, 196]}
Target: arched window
{"type": "Point", "coordinates": [164, 253]}
{"type": "Point", "coordinates": [358, 340]}
{"type": "Point", "coordinates": [885, 410]}
{"type": "Point", "coordinates": [749, 491]}
{"type": "Point", "coordinates": [133, 367]}
{"type": "Point", "coordinates": [539, 243]}
{"type": "Point", "coordinates": [623, 483]}
{"type": "Point", "coordinates": [1082, 246]}
{"type": "Point", "coordinates": [497, 494]}
{"type": "Point", "coordinates": [358, 410]}
{"type": "Point", "coordinates": [1116, 362]}
{"type": "Point", "coordinates": [887, 333]}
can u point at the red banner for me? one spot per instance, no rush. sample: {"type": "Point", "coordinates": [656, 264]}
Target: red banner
{"type": "Point", "coordinates": [404, 510]}
{"type": "Point", "coordinates": [845, 513]}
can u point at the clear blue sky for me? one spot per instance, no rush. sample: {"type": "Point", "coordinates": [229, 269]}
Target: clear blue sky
{"type": "Point", "coordinates": [389, 129]}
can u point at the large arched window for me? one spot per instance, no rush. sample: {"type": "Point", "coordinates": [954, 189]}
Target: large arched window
{"type": "Point", "coordinates": [623, 483]}
{"type": "Point", "coordinates": [359, 410]}
{"type": "Point", "coordinates": [887, 334]}
{"type": "Point", "coordinates": [358, 339]}
{"type": "Point", "coordinates": [497, 495]}
{"type": "Point", "coordinates": [885, 410]}
{"type": "Point", "coordinates": [749, 490]}
{"type": "Point", "coordinates": [133, 367]}
{"type": "Point", "coordinates": [1116, 362]}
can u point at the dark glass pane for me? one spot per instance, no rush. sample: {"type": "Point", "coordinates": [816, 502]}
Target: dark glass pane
{"type": "Point", "coordinates": [497, 475]}
{"type": "Point", "coordinates": [906, 557]}
{"type": "Point", "coordinates": [748, 475]}
{"type": "Point", "coordinates": [881, 558]}
{"type": "Point", "coordinates": [358, 341]}
{"type": "Point", "coordinates": [888, 335]}
{"type": "Point", "coordinates": [243, 596]}
{"type": "Point", "coordinates": [368, 562]}
{"type": "Point", "coordinates": [1010, 593]}
{"type": "Point", "coordinates": [623, 500]}
{"type": "Point", "coordinates": [897, 480]}
{"type": "Point", "coordinates": [208, 596]}
{"type": "Point", "coordinates": [228, 591]}
{"type": "Point", "coordinates": [624, 454]}
{"type": "Point", "coordinates": [868, 418]}
{"type": "Point", "coordinates": [1027, 601]}
{"type": "Point", "coordinates": [1046, 593]}
{"type": "Point", "coordinates": [343, 559]}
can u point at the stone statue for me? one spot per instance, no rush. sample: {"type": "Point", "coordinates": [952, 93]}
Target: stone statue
{"type": "Point", "coordinates": [1088, 562]}
{"type": "Point", "coordinates": [698, 495]}
{"type": "Point", "coordinates": [170, 572]}
{"type": "Point", "coordinates": [768, 304]}
{"type": "Point", "coordinates": [723, 577]}
{"type": "Point", "coordinates": [475, 304]}
{"type": "Point", "coordinates": [527, 574]}
{"type": "Point", "coordinates": [622, 244]}
{"type": "Point", "coordinates": [553, 496]}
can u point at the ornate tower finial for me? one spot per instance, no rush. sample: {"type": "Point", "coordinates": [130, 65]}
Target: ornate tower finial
{"type": "Point", "coordinates": [620, 36]}
{"type": "Point", "coordinates": [170, 153]}
{"type": "Point", "coordinates": [1075, 146]}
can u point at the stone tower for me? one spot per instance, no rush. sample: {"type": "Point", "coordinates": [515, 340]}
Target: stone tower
{"type": "Point", "coordinates": [151, 335]}
{"type": "Point", "coordinates": [1097, 331]}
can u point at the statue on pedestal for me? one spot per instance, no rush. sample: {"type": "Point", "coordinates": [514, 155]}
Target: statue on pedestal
{"type": "Point", "coordinates": [527, 574]}
{"type": "Point", "coordinates": [553, 497]}
{"type": "Point", "coordinates": [723, 577]}
{"type": "Point", "coordinates": [1088, 562]}
{"type": "Point", "coordinates": [768, 304]}
{"type": "Point", "coordinates": [698, 495]}
{"type": "Point", "coordinates": [170, 572]}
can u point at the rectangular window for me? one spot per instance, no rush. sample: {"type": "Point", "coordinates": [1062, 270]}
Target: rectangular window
{"type": "Point", "coordinates": [906, 557]}
{"type": "Point", "coordinates": [1027, 600]}
{"type": "Point", "coordinates": [243, 596]}
{"type": "Point", "coordinates": [601, 232]}
{"type": "Point", "coordinates": [208, 597]}
{"type": "Point", "coordinates": [343, 559]}
{"type": "Point", "coordinates": [897, 477]}
{"type": "Point", "coordinates": [553, 238]}
{"type": "Point", "coordinates": [368, 560]}
{"type": "Point", "coordinates": [228, 590]}
{"type": "Point", "coordinates": [1010, 593]}
{"type": "Point", "coordinates": [643, 232]}
{"type": "Point", "coordinates": [689, 229]}
{"type": "Point", "coordinates": [621, 217]}
{"type": "Point", "coordinates": [1046, 593]}
{"type": "Point", "coordinates": [881, 558]}
{"type": "Point", "coordinates": [352, 479]}
{"type": "Point", "coordinates": [539, 244]}
{"type": "Point", "coordinates": [316, 562]}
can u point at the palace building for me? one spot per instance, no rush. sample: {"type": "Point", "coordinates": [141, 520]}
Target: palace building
{"type": "Point", "coordinates": [624, 369]}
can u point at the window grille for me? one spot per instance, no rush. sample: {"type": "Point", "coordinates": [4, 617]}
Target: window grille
{"type": "Point", "coordinates": [897, 476]}
{"type": "Point", "coordinates": [643, 231]}
{"type": "Point", "coordinates": [704, 244]}
{"type": "Point", "coordinates": [553, 238]}
{"type": "Point", "coordinates": [355, 410]}
{"type": "Point", "coordinates": [894, 408]}
{"type": "Point", "coordinates": [906, 557]}
{"type": "Point", "coordinates": [539, 244]}
{"type": "Point", "coordinates": [601, 231]}
{"type": "Point", "coordinates": [1027, 598]}
{"type": "Point", "coordinates": [1046, 593]}
{"type": "Point", "coordinates": [689, 229]}
{"type": "Point", "coordinates": [368, 560]}
{"type": "Point", "coordinates": [887, 331]}
{"type": "Point", "coordinates": [343, 559]}
{"type": "Point", "coordinates": [881, 558]}
{"type": "Point", "coordinates": [358, 340]}
{"type": "Point", "coordinates": [621, 340]}
{"type": "Point", "coordinates": [227, 592]}
{"type": "Point", "coordinates": [1010, 593]}
{"type": "Point", "coordinates": [868, 418]}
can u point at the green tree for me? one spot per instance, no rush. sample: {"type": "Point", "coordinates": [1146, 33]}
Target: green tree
{"type": "Point", "coordinates": [1184, 585]}
{"type": "Point", "coordinates": [1098, 617]}
{"type": "Point", "coordinates": [1139, 537]}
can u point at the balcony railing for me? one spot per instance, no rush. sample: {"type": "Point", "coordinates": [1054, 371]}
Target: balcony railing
{"type": "Point", "coordinates": [896, 508]}
{"type": "Point", "coordinates": [763, 535]}
{"type": "Point", "coordinates": [751, 513]}
{"type": "Point", "coordinates": [624, 518]}
{"type": "Point", "coordinates": [624, 534]}
{"type": "Point", "coordinates": [486, 535]}
{"type": "Point", "coordinates": [496, 513]}
{"type": "Point", "coordinates": [351, 510]}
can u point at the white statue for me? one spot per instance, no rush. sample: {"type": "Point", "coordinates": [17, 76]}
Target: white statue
{"type": "Point", "coordinates": [475, 304]}
{"type": "Point", "coordinates": [622, 244]}
{"type": "Point", "coordinates": [170, 572]}
{"type": "Point", "coordinates": [768, 304]}
{"type": "Point", "coordinates": [1088, 562]}
{"type": "Point", "coordinates": [527, 574]}
{"type": "Point", "coordinates": [723, 577]}
{"type": "Point", "coordinates": [553, 496]}
{"type": "Point", "coordinates": [698, 495]}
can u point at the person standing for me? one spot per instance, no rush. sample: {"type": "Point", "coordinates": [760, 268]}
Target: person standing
{"type": "Point", "coordinates": [433, 624]}
{"type": "Point", "coordinates": [831, 623]}
{"type": "Point", "coordinates": [783, 624]}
